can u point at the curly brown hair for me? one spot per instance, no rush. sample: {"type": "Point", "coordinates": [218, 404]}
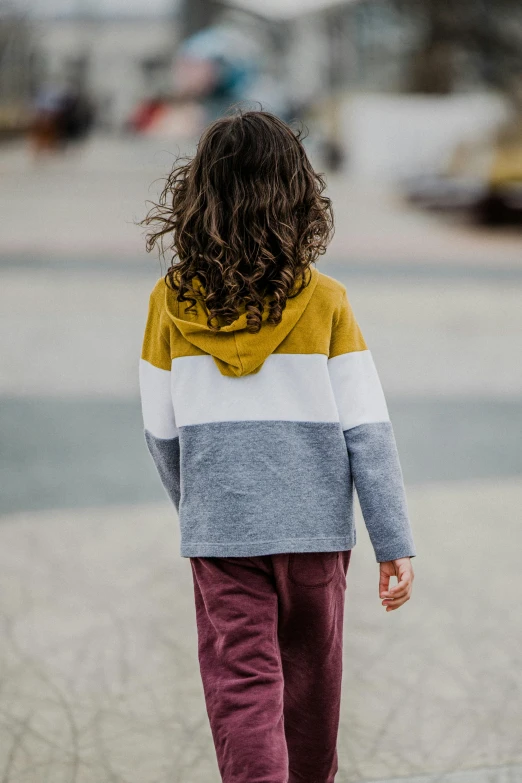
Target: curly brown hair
{"type": "Point", "coordinates": [245, 217]}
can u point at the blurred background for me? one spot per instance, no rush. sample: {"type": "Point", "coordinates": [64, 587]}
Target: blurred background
{"type": "Point", "coordinates": [414, 111]}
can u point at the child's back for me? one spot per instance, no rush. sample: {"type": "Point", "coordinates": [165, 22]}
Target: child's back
{"type": "Point", "coordinates": [262, 409]}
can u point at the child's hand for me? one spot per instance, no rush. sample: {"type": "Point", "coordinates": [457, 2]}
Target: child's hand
{"type": "Point", "coordinates": [401, 592]}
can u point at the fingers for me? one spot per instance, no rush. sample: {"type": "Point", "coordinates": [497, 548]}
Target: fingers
{"type": "Point", "coordinates": [399, 590]}
{"type": "Point", "coordinates": [397, 600]}
{"type": "Point", "coordinates": [394, 603]}
{"type": "Point", "coordinates": [404, 577]}
{"type": "Point", "coordinates": [384, 582]}
{"type": "Point", "coordinates": [397, 595]}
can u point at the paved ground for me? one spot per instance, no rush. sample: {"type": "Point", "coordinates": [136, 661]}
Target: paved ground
{"type": "Point", "coordinates": [82, 207]}
{"type": "Point", "coordinates": [98, 672]}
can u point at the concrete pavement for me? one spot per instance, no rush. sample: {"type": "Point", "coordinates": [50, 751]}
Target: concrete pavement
{"type": "Point", "coordinates": [99, 672]}
{"type": "Point", "coordinates": [83, 207]}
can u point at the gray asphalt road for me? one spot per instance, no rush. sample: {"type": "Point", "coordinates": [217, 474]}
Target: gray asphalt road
{"type": "Point", "coordinates": [79, 453]}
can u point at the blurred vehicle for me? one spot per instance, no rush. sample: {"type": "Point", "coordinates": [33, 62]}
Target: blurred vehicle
{"type": "Point", "coordinates": [502, 202]}
{"type": "Point", "coordinates": [481, 179]}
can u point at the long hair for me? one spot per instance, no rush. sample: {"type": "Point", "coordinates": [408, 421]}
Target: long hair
{"type": "Point", "coordinates": [245, 217]}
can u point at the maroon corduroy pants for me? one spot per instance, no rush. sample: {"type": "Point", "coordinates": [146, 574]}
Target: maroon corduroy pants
{"type": "Point", "coordinates": [270, 651]}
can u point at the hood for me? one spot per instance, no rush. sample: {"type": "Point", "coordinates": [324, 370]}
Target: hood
{"type": "Point", "coordinates": [236, 351]}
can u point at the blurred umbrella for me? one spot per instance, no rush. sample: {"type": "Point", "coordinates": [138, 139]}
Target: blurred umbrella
{"type": "Point", "coordinates": [218, 65]}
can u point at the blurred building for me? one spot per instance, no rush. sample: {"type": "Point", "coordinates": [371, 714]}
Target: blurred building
{"type": "Point", "coordinates": [16, 69]}
{"type": "Point", "coordinates": [314, 47]}
{"type": "Point", "coordinates": [394, 45]}
{"type": "Point", "coordinates": [397, 85]}
{"type": "Point", "coordinates": [390, 86]}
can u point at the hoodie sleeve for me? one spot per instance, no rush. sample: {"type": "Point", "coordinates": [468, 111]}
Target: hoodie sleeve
{"type": "Point", "coordinates": [161, 433]}
{"type": "Point", "coordinates": [369, 437]}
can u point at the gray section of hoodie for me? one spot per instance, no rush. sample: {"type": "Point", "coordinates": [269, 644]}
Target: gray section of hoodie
{"type": "Point", "coordinates": [166, 456]}
{"type": "Point", "coordinates": [377, 476]}
{"type": "Point", "coordinates": [262, 487]}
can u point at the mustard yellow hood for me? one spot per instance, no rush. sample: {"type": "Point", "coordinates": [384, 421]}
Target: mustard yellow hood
{"type": "Point", "coordinates": [236, 351]}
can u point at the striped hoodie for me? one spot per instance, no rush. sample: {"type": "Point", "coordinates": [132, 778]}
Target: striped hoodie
{"type": "Point", "coordinates": [260, 438]}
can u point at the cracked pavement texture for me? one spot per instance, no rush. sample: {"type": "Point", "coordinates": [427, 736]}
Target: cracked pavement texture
{"type": "Point", "coordinates": [99, 663]}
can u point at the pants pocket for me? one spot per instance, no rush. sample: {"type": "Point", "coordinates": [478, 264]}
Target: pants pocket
{"type": "Point", "coordinates": [313, 569]}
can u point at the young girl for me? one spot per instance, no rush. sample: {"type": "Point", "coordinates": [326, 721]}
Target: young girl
{"type": "Point", "coordinates": [262, 409]}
